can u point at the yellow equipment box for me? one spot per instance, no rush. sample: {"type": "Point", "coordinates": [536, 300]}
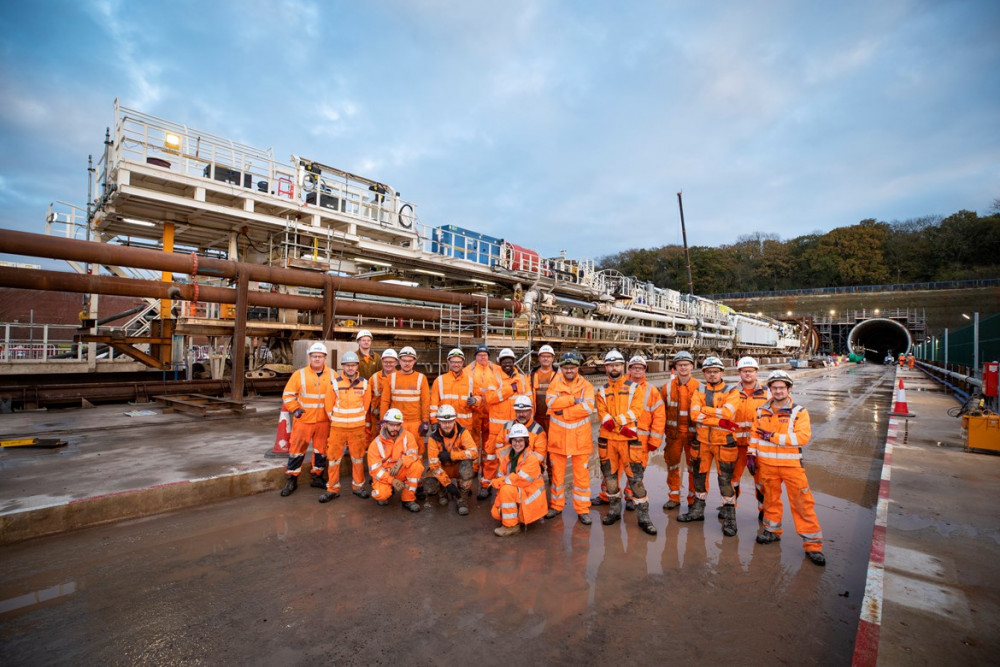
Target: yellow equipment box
{"type": "Point", "coordinates": [983, 433]}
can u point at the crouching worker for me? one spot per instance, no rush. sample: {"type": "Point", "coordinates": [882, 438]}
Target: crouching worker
{"type": "Point", "coordinates": [394, 462]}
{"type": "Point", "coordinates": [519, 484]}
{"type": "Point", "coordinates": [451, 452]}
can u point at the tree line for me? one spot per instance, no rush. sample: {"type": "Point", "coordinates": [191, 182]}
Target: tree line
{"type": "Point", "coordinates": [962, 246]}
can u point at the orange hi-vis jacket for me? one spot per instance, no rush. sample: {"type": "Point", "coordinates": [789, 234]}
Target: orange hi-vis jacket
{"type": "Point", "coordinates": [570, 406]}
{"type": "Point", "coordinates": [538, 441]}
{"type": "Point", "coordinates": [383, 455]}
{"type": "Point", "coordinates": [311, 392]}
{"type": "Point", "coordinates": [710, 404]}
{"type": "Point", "coordinates": [485, 380]}
{"type": "Point", "coordinates": [653, 417]}
{"type": "Point", "coordinates": [529, 504]}
{"type": "Point", "coordinates": [540, 384]}
{"type": "Point", "coordinates": [409, 394]}
{"type": "Point", "coordinates": [746, 409]}
{"type": "Point", "coordinates": [459, 445]}
{"type": "Point", "coordinates": [622, 401]}
{"type": "Point", "coordinates": [792, 431]}
{"type": "Point", "coordinates": [368, 365]}
{"type": "Point", "coordinates": [353, 399]}
{"type": "Point", "coordinates": [501, 402]}
{"type": "Point", "coordinates": [453, 390]}
{"type": "Point", "coordinates": [677, 406]}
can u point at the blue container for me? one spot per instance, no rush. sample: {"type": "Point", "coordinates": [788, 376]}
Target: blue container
{"type": "Point", "coordinates": [454, 241]}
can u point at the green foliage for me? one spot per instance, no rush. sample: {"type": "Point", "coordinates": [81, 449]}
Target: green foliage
{"type": "Point", "coordinates": [960, 247]}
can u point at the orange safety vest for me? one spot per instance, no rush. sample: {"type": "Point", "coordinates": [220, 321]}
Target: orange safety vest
{"type": "Point", "coordinates": [527, 477]}
{"type": "Point", "coordinates": [710, 404]}
{"type": "Point", "coordinates": [622, 401]}
{"type": "Point", "coordinates": [792, 432]}
{"type": "Point", "coordinates": [409, 394]}
{"type": "Point", "coordinates": [569, 421]}
{"type": "Point", "coordinates": [485, 380]}
{"type": "Point", "coordinates": [309, 391]}
{"type": "Point", "coordinates": [677, 406]}
{"type": "Point", "coordinates": [653, 417]}
{"type": "Point", "coordinates": [745, 411]}
{"type": "Point", "coordinates": [455, 391]}
{"type": "Point", "coordinates": [352, 402]}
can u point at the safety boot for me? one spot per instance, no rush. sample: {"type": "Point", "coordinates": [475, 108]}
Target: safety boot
{"type": "Point", "coordinates": [584, 519]}
{"type": "Point", "coordinates": [484, 493]}
{"type": "Point", "coordinates": [362, 493]}
{"type": "Point", "coordinates": [328, 496]}
{"type": "Point", "coordinates": [629, 505]}
{"type": "Point", "coordinates": [317, 482]}
{"type": "Point", "coordinates": [671, 504]}
{"type": "Point", "coordinates": [442, 498]}
{"type": "Point", "coordinates": [695, 513]}
{"type": "Point", "coordinates": [728, 520]}
{"type": "Point", "coordinates": [767, 537]}
{"type": "Point", "coordinates": [411, 505]}
{"type": "Point", "coordinates": [615, 513]}
{"type": "Point", "coordinates": [552, 513]}
{"type": "Point", "coordinates": [642, 515]}
{"type": "Point", "coordinates": [291, 484]}
{"type": "Point", "coordinates": [816, 557]}
{"type": "Point", "coordinates": [507, 531]}
{"type": "Point", "coordinates": [463, 502]}
{"type": "Point", "coordinates": [598, 501]}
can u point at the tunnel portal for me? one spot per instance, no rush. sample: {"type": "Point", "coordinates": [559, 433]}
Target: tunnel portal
{"type": "Point", "coordinates": [877, 337]}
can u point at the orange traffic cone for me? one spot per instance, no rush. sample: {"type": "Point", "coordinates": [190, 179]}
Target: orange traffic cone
{"type": "Point", "coordinates": [284, 435]}
{"type": "Point", "coordinates": [900, 409]}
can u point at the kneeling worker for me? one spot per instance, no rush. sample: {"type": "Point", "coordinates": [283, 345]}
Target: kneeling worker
{"type": "Point", "coordinates": [519, 484]}
{"type": "Point", "coordinates": [451, 452]}
{"type": "Point", "coordinates": [780, 430]}
{"type": "Point", "coordinates": [394, 462]}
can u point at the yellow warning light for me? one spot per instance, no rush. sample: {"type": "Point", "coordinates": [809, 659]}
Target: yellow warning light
{"type": "Point", "coordinates": [172, 142]}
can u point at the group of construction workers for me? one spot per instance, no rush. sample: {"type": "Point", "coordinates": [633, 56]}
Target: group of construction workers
{"type": "Point", "coordinates": [488, 421]}
{"type": "Point", "coordinates": [906, 360]}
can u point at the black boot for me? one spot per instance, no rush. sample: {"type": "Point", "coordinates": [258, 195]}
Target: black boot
{"type": "Point", "coordinates": [729, 520]}
{"type": "Point", "coordinates": [767, 537]}
{"type": "Point", "coordinates": [291, 484]}
{"type": "Point", "coordinates": [695, 513]}
{"type": "Point", "coordinates": [642, 514]}
{"type": "Point", "coordinates": [816, 557]}
{"type": "Point", "coordinates": [328, 496]}
{"type": "Point", "coordinates": [317, 482]}
{"type": "Point", "coordinates": [615, 513]}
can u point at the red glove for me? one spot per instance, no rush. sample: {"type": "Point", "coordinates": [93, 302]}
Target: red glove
{"type": "Point", "coordinates": [629, 432]}
{"type": "Point", "coordinates": [651, 446]}
{"type": "Point", "coordinates": [728, 424]}
{"type": "Point", "coordinates": [609, 424]}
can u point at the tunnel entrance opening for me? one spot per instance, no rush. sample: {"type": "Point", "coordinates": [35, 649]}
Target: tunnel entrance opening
{"type": "Point", "coordinates": [877, 337]}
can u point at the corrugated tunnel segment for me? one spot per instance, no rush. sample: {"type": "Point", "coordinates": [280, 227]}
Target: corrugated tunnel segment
{"type": "Point", "coordinates": [877, 337]}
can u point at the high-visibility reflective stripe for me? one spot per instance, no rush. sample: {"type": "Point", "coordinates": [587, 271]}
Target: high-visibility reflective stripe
{"type": "Point", "coordinates": [771, 526]}
{"type": "Point", "coordinates": [569, 425]}
{"type": "Point", "coordinates": [354, 460]}
{"type": "Point", "coordinates": [585, 497]}
{"type": "Point", "coordinates": [534, 496]}
{"type": "Point", "coordinates": [671, 422]}
{"type": "Point", "coordinates": [763, 454]}
{"type": "Point", "coordinates": [524, 475]}
{"type": "Point", "coordinates": [683, 413]}
{"type": "Point", "coordinates": [396, 398]}
{"type": "Point", "coordinates": [413, 479]}
{"type": "Point", "coordinates": [490, 457]}
{"type": "Point", "coordinates": [498, 421]}
{"type": "Point", "coordinates": [676, 467]}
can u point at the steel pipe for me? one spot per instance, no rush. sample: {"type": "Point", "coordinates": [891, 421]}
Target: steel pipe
{"type": "Point", "coordinates": [612, 326]}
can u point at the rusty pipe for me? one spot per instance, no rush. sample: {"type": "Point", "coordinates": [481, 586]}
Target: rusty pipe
{"type": "Point", "coordinates": [40, 245]}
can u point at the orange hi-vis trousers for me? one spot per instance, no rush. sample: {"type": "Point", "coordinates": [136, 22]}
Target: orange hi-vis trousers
{"type": "Point", "coordinates": [581, 482]}
{"type": "Point", "coordinates": [355, 440]}
{"type": "Point", "coordinates": [409, 474]}
{"type": "Point", "coordinates": [302, 436]}
{"type": "Point", "coordinates": [800, 499]}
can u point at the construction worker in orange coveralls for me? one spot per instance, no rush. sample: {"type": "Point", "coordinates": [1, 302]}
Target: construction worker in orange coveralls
{"type": "Point", "coordinates": [450, 455]}
{"type": "Point", "coordinates": [378, 382]}
{"type": "Point", "coordinates": [409, 392]}
{"type": "Point", "coordinates": [712, 410]}
{"type": "Point", "coordinates": [679, 432]}
{"type": "Point", "coordinates": [780, 430]}
{"type": "Point", "coordinates": [570, 400]}
{"type": "Point", "coordinates": [519, 484]}
{"type": "Point", "coordinates": [347, 428]}
{"type": "Point", "coordinates": [501, 410]}
{"type": "Point", "coordinates": [619, 408]}
{"type": "Point", "coordinates": [394, 462]}
{"type": "Point", "coordinates": [539, 380]}
{"type": "Point", "coordinates": [752, 395]}
{"type": "Point", "coordinates": [454, 388]}
{"type": "Point", "coordinates": [305, 397]}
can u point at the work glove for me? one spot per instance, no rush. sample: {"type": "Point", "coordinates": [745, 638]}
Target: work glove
{"type": "Point", "coordinates": [424, 428]}
{"type": "Point", "coordinates": [752, 464]}
{"type": "Point", "coordinates": [394, 470]}
{"type": "Point", "coordinates": [298, 413]}
{"type": "Point", "coordinates": [444, 456]}
{"type": "Point", "coordinates": [514, 387]}
{"type": "Point", "coordinates": [452, 490]}
{"type": "Point", "coordinates": [652, 446]}
{"type": "Point", "coordinates": [577, 401]}
{"type": "Point", "coordinates": [765, 435]}
{"type": "Point", "coordinates": [629, 432]}
{"type": "Point", "coordinates": [608, 424]}
{"type": "Point", "coordinates": [398, 484]}
{"type": "Point", "coordinates": [728, 424]}
{"type": "Point", "coordinates": [470, 401]}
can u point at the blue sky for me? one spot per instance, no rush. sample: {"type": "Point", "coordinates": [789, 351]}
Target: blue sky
{"type": "Point", "coordinates": [553, 124]}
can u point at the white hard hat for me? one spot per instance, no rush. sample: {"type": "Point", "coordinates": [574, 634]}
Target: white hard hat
{"type": "Point", "coordinates": [779, 375]}
{"type": "Point", "coordinates": [522, 402]}
{"type": "Point", "coordinates": [517, 431]}
{"type": "Point", "coordinates": [318, 348]}
{"type": "Point", "coordinates": [446, 413]}
{"type": "Point", "coordinates": [456, 352]}
{"type": "Point", "coordinates": [350, 358]}
{"type": "Point", "coordinates": [506, 352]}
{"type": "Point", "coordinates": [393, 416]}
{"type": "Point", "coordinates": [546, 349]}
{"type": "Point", "coordinates": [363, 333]}
{"type": "Point", "coordinates": [390, 354]}
{"type": "Point", "coordinates": [637, 359]}
{"type": "Point", "coordinates": [408, 352]}
{"type": "Point", "coordinates": [614, 357]}
{"type": "Point", "coordinates": [712, 362]}
{"type": "Point", "coordinates": [746, 362]}
{"type": "Point", "coordinates": [683, 355]}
